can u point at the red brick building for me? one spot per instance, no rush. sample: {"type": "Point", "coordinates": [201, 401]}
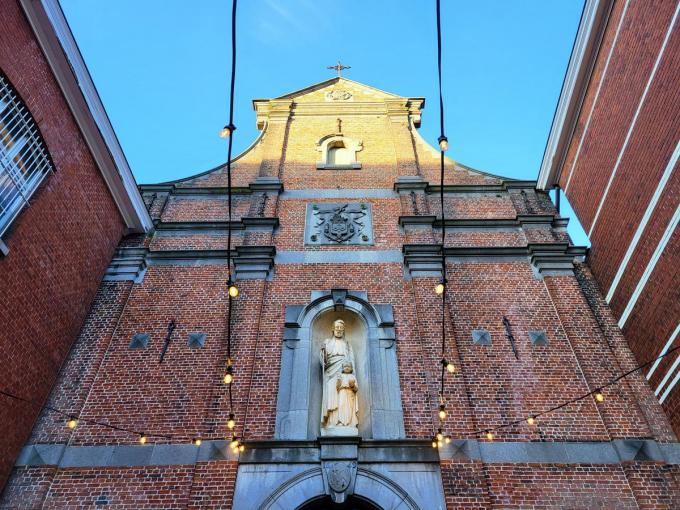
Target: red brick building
{"type": "Point", "coordinates": [336, 217]}
{"type": "Point", "coordinates": [613, 149]}
{"type": "Point", "coordinates": [67, 197]}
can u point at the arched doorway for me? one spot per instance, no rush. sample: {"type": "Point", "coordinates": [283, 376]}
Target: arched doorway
{"type": "Point", "coordinates": [326, 503]}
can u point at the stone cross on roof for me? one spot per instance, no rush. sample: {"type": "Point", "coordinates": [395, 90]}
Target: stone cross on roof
{"type": "Point", "coordinates": [339, 67]}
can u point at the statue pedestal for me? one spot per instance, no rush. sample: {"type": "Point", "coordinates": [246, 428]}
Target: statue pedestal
{"type": "Point", "coordinates": [339, 431]}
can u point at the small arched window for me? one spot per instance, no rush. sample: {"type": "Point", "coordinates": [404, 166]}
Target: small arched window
{"type": "Point", "coordinates": [338, 154]}
{"type": "Point", "coordinates": [24, 161]}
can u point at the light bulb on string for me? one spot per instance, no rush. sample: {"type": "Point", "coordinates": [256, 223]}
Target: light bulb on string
{"type": "Point", "coordinates": [197, 442]}
{"type": "Point", "coordinates": [227, 131]}
{"type": "Point", "coordinates": [531, 420]}
{"type": "Point", "coordinates": [599, 396]}
{"type": "Point", "coordinates": [440, 436]}
{"type": "Point", "coordinates": [443, 143]}
{"type": "Point", "coordinates": [447, 439]}
{"type": "Point", "coordinates": [439, 444]}
{"type": "Point", "coordinates": [440, 287]}
{"type": "Point", "coordinates": [229, 375]}
{"type": "Point", "coordinates": [234, 442]}
{"type": "Point", "coordinates": [489, 435]}
{"type": "Point", "coordinates": [72, 423]}
{"type": "Point", "coordinates": [232, 289]}
{"type": "Point", "coordinates": [142, 438]}
{"type": "Point", "coordinates": [231, 423]}
{"type": "Point", "coordinates": [450, 367]}
{"type": "Point", "coordinates": [434, 444]}
{"type": "Point", "coordinates": [241, 447]}
{"type": "Point", "coordinates": [442, 412]}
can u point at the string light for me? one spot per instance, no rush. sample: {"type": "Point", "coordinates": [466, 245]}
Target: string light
{"type": "Point", "coordinates": [440, 287]}
{"type": "Point", "coordinates": [442, 412]}
{"type": "Point", "coordinates": [229, 375]}
{"type": "Point", "coordinates": [72, 423]}
{"type": "Point", "coordinates": [234, 442]}
{"type": "Point", "coordinates": [599, 396]}
{"type": "Point", "coordinates": [241, 447]}
{"type": "Point", "coordinates": [531, 420]}
{"type": "Point", "coordinates": [143, 437]}
{"type": "Point", "coordinates": [197, 442]}
{"type": "Point", "coordinates": [434, 444]}
{"type": "Point", "coordinates": [489, 435]}
{"type": "Point", "coordinates": [440, 436]}
{"type": "Point", "coordinates": [231, 423]}
{"type": "Point", "coordinates": [443, 143]}
{"type": "Point", "coordinates": [450, 367]}
{"type": "Point", "coordinates": [447, 439]}
{"type": "Point", "coordinates": [227, 130]}
{"type": "Point", "coordinates": [233, 289]}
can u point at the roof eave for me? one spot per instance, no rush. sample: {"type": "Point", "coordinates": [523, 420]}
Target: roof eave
{"type": "Point", "coordinates": [61, 51]}
{"type": "Point", "coordinates": [577, 77]}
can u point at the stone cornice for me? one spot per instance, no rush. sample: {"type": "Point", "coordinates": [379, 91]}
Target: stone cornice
{"type": "Point", "coordinates": [482, 188]}
{"type": "Point", "coordinates": [520, 221]}
{"type": "Point", "coordinates": [407, 183]}
{"type": "Point", "coordinates": [548, 259]}
{"type": "Point", "coordinates": [250, 262]}
{"type": "Point", "coordinates": [261, 184]}
{"type": "Point", "coordinates": [245, 223]}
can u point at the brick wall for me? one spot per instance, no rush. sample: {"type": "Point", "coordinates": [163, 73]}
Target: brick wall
{"type": "Point", "coordinates": [623, 143]}
{"type": "Point", "coordinates": [59, 245]}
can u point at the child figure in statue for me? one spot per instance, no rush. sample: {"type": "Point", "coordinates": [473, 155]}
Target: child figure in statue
{"type": "Point", "coordinates": [348, 406]}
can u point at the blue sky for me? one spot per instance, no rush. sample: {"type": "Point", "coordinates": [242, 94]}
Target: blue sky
{"type": "Point", "coordinates": [161, 68]}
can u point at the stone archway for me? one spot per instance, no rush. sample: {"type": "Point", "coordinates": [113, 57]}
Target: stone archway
{"type": "Point", "coordinates": [307, 490]}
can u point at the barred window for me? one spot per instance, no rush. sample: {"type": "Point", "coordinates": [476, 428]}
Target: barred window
{"type": "Point", "coordinates": [24, 161]}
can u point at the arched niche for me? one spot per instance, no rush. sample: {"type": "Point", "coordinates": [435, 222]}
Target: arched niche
{"type": "Point", "coordinates": [370, 331]}
{"type": "Point", "coordinates": [356, 334]}
{"type": "Point", "coordinates": [338, 152]}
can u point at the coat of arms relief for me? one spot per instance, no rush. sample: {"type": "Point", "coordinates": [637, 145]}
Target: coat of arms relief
{"type": "Point", "coordinates": [338, 223]}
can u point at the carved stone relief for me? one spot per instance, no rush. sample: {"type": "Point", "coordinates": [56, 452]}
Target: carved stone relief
{"type": "Point", "coordinates": [338, 223]}
{"type": "Point", "coordinates": [338, 95]}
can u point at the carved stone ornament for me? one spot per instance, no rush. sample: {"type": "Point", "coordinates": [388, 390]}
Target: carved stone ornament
{"type": "Point", "coordinates": [348, 223]}
{"type": "Point", "coordinates": [338, 95]}
{"type": "Point", "coordinates": [340, 476]}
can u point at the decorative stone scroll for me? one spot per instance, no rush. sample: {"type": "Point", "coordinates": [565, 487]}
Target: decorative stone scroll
{"type": "Point", "coordinates": [339, 223]}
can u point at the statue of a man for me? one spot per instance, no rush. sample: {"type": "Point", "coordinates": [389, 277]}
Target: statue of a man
{"type": "Point", "coordinates": [335, 354]}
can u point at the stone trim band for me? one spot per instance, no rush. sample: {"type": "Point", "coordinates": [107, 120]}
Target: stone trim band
{"type": "Point", "coordinates": [276, 452]}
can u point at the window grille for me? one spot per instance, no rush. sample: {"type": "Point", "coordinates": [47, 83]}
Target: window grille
{"type": "Point", "coordinates": [24, 161]}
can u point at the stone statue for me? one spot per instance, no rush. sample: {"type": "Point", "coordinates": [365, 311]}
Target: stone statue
{"type": "Point", "coordinates": [339, 404]}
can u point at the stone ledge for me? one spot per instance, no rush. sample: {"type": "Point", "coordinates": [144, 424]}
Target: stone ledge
{"type": "Point", "coordinates": [191, 227]}
{"type": "Point", "coordinates": [250, 262]}
{"type": "Point", "coordinates": [520, 221]}
{"type": "Point", "coordinates": [549, 259]}
{"type": "Point", "coordinates": [368, 451]}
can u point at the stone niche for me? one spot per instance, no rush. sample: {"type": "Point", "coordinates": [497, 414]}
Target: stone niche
{"type": "Point", "coordinates": [369, 329]}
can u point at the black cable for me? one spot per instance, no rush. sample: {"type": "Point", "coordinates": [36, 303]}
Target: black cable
{"type": "Point", "coordinates": [580, 397]}
{"type": "Point", "coordinates": [441, 198]}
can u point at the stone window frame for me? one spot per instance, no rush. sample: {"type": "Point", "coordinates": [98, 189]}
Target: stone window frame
{"type": "Point", "coordinates": [329, 141]}
{"type": "Point", "coordinates": [294, 393]}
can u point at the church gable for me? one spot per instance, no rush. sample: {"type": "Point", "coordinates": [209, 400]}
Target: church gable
{"type": "Point", "coordinates": [339, 90]}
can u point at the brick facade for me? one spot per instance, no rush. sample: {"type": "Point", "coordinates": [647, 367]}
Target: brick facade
{"type": "Point", "coordinates": [620, 174]}
{"type": "Point", "coordinates": [500, 232]}
{"type": "Point", "coordinates": [59, 246]}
